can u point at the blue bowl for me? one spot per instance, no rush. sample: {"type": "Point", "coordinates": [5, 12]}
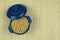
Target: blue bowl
{"type": "Point", "coordinates": [16, 11]}
{"type": "Point", "coordinates": [12, 31]}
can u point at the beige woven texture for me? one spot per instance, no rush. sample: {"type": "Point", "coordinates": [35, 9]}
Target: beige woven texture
{"type": "Point", "coordinates": [45, 15]}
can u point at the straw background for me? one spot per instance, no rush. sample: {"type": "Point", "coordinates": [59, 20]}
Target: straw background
{"type": "Point", "coordinates": [45, 15]}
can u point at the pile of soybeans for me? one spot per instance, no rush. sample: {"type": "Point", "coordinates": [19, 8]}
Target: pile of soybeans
{"type": "Point", "coordinates": [20, 25]}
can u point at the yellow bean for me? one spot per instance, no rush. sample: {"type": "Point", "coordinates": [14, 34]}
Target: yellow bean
{"type": "Point", "coordinates": [20, 25]}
